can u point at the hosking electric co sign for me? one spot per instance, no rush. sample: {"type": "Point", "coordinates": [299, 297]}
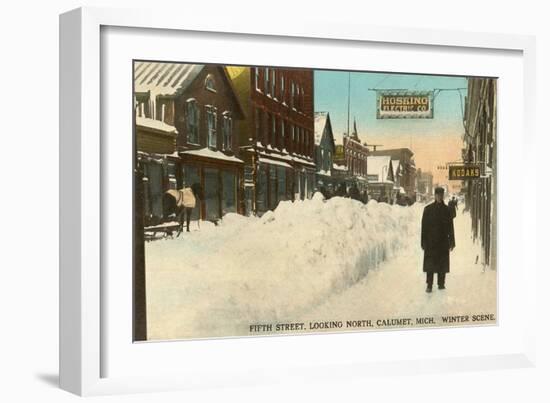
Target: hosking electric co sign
{"type": "Point", "coordinates": [404, 104]}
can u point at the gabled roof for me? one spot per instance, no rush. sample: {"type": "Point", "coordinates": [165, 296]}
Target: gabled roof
{"type": "Point", "coordinates": [164, 78]}
{"type": "Point", "coordinates": [322, 122]}
{"type": "Point", "coordinates": [378, 165]}
{"type": "Point", "coordinates": [171, 79]}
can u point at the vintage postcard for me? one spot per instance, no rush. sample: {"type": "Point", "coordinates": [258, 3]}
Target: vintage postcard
{"type": "Point", "coordinates": [278, 201]}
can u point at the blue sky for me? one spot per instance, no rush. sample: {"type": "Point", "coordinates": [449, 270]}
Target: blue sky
{"type": "Point", "coordinates": [331, 94]}
{"type": "Point", "coordinates": [434, 142]}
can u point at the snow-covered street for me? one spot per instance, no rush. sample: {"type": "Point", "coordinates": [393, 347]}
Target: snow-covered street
{"type": "Point", "coordinates": [308, 261]}
{"type": "Point", "coordinates": [397, 287]}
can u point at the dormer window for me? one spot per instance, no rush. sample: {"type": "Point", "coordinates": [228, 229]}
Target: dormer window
{"type": "Point", "coordinates": [209, 83]}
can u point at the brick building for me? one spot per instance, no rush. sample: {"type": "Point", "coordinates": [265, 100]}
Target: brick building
{"type": "Point", "coordinates": [353, 155]}
{"type": "Point", "coordinates": [277, 135]}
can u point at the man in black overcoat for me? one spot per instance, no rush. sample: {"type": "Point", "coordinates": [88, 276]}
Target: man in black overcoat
{"type": "Point", "coordinates": [437, 240]}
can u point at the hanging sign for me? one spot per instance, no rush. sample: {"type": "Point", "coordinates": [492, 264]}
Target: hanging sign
{"type": "Point", "coordinates": [404, 104]}
{"type": "Point", "coordinates": [464, 172]}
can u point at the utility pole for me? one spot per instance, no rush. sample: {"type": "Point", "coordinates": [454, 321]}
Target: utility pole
{"type": "Point", "coordinates": [349, 96]}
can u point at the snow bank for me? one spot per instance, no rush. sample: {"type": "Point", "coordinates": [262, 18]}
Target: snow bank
{"type": "Point", "coordinates": [259, 270]}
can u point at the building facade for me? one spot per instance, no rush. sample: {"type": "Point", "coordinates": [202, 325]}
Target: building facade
{"type": "Point", "coordinates": [381, 179]}
{"type": "Point", "coordinates": [353, 155]}
{"type": "Point", "coordinates": [185, 118]}
{"type": "Point", "coordinates": [324, 152]}
{"type": "Point", "coordinates": [277, 135]}
{"type": "Point", "coordinates": [425, 185]}
{"type": "Point", "coordinates": [408, 169]}
{"type": "Point", "coordinates": [480, 122]}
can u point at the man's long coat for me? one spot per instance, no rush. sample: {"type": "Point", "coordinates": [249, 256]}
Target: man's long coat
{"type": "Point", "coordinates": [437, 237]}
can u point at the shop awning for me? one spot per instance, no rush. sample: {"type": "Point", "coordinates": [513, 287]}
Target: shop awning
{"type": "Point", "coordinates": [265, 160]}
{"type": "Point", "coordinates": [208, 153]}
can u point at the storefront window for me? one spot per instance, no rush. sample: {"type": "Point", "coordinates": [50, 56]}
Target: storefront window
{"type": "Point", "coordinates": [281, 183]}
{"type": "Point", "coordinates": [146, 198]}
{"type": "Point", "coordinates": [171, 175]}
{"type": "Point", "coordinates": [248, 196]}
{"type": "Point", "coordinates": [212, 193]}
{"type": "Point", "coordinates": [272, 187]}
{"type": "Point", "coordinates": [191, 175]}
{"type": "Point", "coordinates": [229, 203]}
{"type": "Point", "coordinates": [261, 189]}
{"type": "Point", "coordinates": [297, 185]}
{"type": "Point", "coordinates": [310, 184]}
{"type": "Point", "coordinates": [303, 185]}
{"type": "Point", "coordinates": [155, 191]}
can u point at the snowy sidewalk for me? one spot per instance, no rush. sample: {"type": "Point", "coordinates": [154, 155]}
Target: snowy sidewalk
{"type": "Point", "coordinates": [397, 287]}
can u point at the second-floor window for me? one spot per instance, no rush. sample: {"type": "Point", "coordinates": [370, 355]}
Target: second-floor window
{"type": "Point", "coordinates": [211, 120]}
{"type": "Point", "coordinates": [257, 78]}
{"type": "Point", "coordinates": [192, 112]}
{"type": "Point", "coordinates": [282, 88]}
{"type": "Point", "coordinates": [273, 138]}
{"type": "Point", "coordinates": [273, 83]}
{"type": "Point", "coordinates": [292, 93]}
{"type": "Point", "coordinates": [266, 81]}
{"type": "Point", "coordinates": [227, 131]}
{"type": "Point", "coordinates": [282, 134]}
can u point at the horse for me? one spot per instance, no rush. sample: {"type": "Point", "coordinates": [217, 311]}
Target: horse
{"type": "Point", "coordinates": [181, 203]}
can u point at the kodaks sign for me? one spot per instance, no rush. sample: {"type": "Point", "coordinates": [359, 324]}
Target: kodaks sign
{"type": "Point", "coordinates": [404, 104]}
{"type": "Point", "coordinates": [464, 172]}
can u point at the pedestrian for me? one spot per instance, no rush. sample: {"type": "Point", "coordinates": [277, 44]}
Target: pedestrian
{"type": "Point", "coordinates": [452, 206]}
{"type": "Point", "coordinates": [437, 240]}
{"type": "Point", "coordinates": [354, 192]}
{"type": "Point", "coordinates": [341, 191]}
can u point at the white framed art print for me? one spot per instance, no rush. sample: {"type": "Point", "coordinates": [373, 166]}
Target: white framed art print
{"type": "Point", "coordinates": [242, 203]}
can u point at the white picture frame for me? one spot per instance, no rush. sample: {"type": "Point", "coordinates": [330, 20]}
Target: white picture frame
{"type": "Point", "coordinates": [85, 347]}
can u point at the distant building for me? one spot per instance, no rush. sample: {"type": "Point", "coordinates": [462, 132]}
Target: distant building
{"type": "Point", "coordinates": [353, 155]}
{"type": "Point", "coordinates": [185, 116]}
{"type": "Point", "coordinates": [397, 175]}
{"type": "Point", "coordinates": [381, 179]}
{"type": "Point", "coordinates": [324, 151]}
{"type": "Point", "coordinates": [424, 185]}
{"type": "Point", "coordinates": [277, 135]}
{"type": "Point", "coordinates": [408, 168]}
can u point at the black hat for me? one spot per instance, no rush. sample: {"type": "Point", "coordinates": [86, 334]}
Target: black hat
{"type": "Point", "coordinates": [439, 190]}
